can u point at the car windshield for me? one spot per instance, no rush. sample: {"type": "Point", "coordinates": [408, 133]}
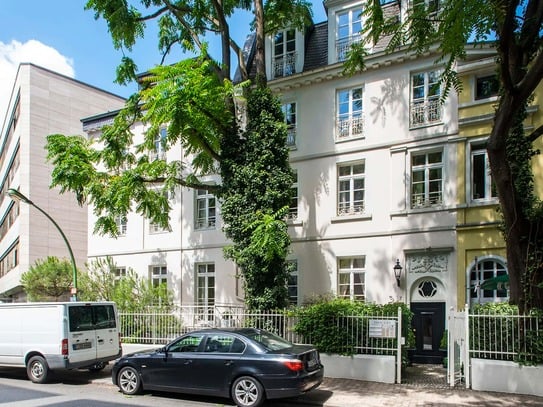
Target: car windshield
{"type": "Point", "coordinates": [269, 340]}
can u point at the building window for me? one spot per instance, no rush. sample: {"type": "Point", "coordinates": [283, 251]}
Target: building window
{"type": "Point", "coordinates": [155, 228]}
{"type": "Point", "coordinates": [351, 278]}
{"type": "Point", "coordinates": [495, 290]}
{"type": "Point", "coordinates": [429, 8]}
{"type": "Point", "coordinates": [351, 189]}
{"type": "Point", "coordinates": [425, 94]}
{"type": "Point", "coordinates": [159, 275]}
{"type": "Point", "coordinates": [10, 260]}
{"type": "Point", "coordinates": [206, 210]}
{"type": "Point", "coordinates": [349, 118]}
{"type": "Point", "coordinates": [159, 151]}
{"type": "Point", "coordinates": [121, 223]}
{"type": "Point", "coordinates": [292, 283]}
{"type": "Point", "coordinates": [426, 180]}
{"type": "Point", "coordinates": [289, 111]}
{"type": "Point", "coordinates": [205, 290]}
{"type": "Point", "coordinates": [284, 53]}
{"type": "Point", "coordinates": [486, 87]}
{"type": "Point", "coordinates": [349, 27]}
{"type": "Point", "coordinates": [482, 187]}
{"type": "Point", "coordinates": [119, 273]}
{"type": "Point", "coordinates": [293, 207]}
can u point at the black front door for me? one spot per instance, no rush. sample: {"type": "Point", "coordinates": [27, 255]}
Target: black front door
{"type": "Point", "coordinates": [429, 326]}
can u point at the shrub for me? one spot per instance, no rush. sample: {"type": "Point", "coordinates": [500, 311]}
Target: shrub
{"type": "Point", "coordinates": [342, 326]}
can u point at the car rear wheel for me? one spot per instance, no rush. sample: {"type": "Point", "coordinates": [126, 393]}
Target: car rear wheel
{"type": "Point", "coordinates": [129, 380]}
{"type": "Point", "coordinates": [37, 369]}
{"type": "Point", "coordinates": [247, 392]}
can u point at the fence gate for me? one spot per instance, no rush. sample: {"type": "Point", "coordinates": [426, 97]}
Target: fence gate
{"type": "Point", "coordinates": [458, 356]}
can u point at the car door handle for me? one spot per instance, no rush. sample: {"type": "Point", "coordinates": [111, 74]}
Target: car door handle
{"type": "Point", "coordinates": [100, 341]}
{"type": "Point", "coordinates": [188, 362]}
{"type": "Point", "coordinates": [228, 362]}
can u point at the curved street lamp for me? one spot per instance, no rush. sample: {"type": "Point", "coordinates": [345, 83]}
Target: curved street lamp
{"type": "Point", "coordinates": [18, 196]}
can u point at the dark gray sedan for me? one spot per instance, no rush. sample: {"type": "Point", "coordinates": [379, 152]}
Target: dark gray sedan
{"type": "Point", "coordinates": [248, 365]}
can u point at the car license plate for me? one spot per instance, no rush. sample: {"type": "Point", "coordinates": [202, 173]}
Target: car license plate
{"type": "Point", "coordinates": [82, 345]}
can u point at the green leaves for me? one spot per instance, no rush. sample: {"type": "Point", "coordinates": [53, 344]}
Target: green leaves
{"type": "Point", "coordinates": [48, 280]}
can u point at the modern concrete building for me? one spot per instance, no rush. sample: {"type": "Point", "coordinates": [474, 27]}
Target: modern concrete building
{"type": "Point", "coordinates": [42, 103]}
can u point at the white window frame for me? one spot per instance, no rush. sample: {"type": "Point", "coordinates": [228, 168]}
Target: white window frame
{"type": "Point", "coordinates": [122, 225]}
{"type": "Point", "coordinates": [294, 200]}
{"type": "Point", "coordinates": [478, 151]}
{"type": "Point", "coordinates": [159, 152]}
{"type": "Point", "coordinates": [425, 98]}
{"type": "Point", "coordinates": [428, 197]}
{"type": "Point", "coordinates": [119, 272]}
{"type": "Point", "coordinates": [350, 113]}
{"type": "Point", "coordinates": [352, 267]}
{"type": "Point", "coordinates": [293, 282]}
{"type": "Point", "coordinates": [290, 112]}
{"type": "Point", "coordinates": [348, 187]}
{"type": "Point", "coordinates": [284, 61]}
{"type": "Point", "coordinates": [158, 274]}
{"type": "Point", "coordinates": [351, 20]}
{"type": "Point", "coordinates": [205, 279]}
{"type": "Point", "coordinates": [482, 269]}
{"type": "Point", "coordinates": [205, 203]}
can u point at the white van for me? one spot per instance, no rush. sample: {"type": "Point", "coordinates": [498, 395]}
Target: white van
{"type": "Point", "coordinates": [58, 335]}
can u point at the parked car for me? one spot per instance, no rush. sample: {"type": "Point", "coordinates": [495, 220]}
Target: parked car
{"type": "Point", "coordinates": [247, 365]}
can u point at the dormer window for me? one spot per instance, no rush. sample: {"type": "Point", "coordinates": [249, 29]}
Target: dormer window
{"type": "Point", "coordinates": [349, 27]}
{"type": "Point", "coordinates": [284, 53]}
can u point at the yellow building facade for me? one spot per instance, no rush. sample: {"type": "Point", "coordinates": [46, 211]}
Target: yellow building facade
{"type": "Point", "coordinates": [481, 252]}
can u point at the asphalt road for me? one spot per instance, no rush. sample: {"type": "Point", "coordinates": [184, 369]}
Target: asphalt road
{"type": "Point", "coordinates": [81, 388]}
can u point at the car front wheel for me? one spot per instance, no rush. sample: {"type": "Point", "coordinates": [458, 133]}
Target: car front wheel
{"type": "Point", "coordinates": [247, 392]}
{"type": "Point", "coordinates": [129, 380]}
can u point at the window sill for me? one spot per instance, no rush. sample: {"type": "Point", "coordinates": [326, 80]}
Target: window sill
{"type": "Point", "coordinates": [294, 222]}
{"type": "Point", "coordinates": [347, 139]}
{"type": "Point", "coordinates": [351, 218]}
{"type": "Point", "coordinates": [484, 202]}
{"type": "Point", "coordinates": [425, 125]}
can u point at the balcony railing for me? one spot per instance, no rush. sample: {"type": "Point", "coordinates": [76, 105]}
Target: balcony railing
{"type": "Point", "coordinates": [343, 46]}
{"type": "Point", "coordinates": [423, 113]}
{"type": "Point", "coordinates": [349, 127]}
{"type": "Point", "coordinates": [291, 136]}
{"type": "Point", "coordinates": [284, 65]}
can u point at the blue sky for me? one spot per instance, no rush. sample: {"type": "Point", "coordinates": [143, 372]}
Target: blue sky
{"type": "Point", "coordinates": [60, 35]}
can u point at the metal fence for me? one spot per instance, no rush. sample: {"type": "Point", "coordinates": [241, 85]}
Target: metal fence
{"type": "Point", "coordinates": [367, 334]}
{"type": "Point", "coordinates": [515, 338]}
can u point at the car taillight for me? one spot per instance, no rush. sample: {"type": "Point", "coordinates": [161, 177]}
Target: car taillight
{"type": "Point", "coordinates": [65, 347]}
{"type": "Point", "coordinates": [294, 365]}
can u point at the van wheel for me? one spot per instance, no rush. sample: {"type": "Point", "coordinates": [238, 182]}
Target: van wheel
{"type": "Point", "coordinates": [247, 392]}
{"type": "Point", "coordinates": [37, 369]}
{"type": "Point", "coordinates": [129, 380]}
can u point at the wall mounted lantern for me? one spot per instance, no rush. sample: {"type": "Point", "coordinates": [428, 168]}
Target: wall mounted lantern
{"type": "Point", "coordinates": [397, 271]}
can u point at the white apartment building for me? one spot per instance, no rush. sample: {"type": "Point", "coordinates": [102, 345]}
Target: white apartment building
{"type": "Point", "coordinates": [375, 155]}
{"type": "Point", "coordinates": [42, 102]}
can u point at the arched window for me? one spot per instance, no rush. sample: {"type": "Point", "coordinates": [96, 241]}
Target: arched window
{"type": "Point", "coordinates": [486, 281]}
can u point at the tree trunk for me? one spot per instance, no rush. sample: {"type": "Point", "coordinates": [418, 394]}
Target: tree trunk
{"type": "Point", "coordinates": [261, 80]}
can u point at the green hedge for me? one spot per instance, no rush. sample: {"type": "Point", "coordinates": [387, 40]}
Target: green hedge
{"type": "Point", "coordinates": [330, 328]}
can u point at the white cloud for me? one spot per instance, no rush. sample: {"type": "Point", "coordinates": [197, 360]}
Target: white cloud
{"type": "Point", "coordinates": [14, 53]}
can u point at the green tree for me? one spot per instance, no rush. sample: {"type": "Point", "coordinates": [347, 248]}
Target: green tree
{"type": "Point", "coordinates": [195, 98]}
{"type": "Point", "coordinates": [48, 280]}
{"type": "Point", "coordinates": [257, 182]}
{"type": "Point", "coordinates": [130, 292]}
{"type": "Point", "coordinates": [516, 29]}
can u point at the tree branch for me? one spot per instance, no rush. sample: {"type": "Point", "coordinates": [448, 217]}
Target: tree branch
{"type": "Point", "coordinates": [534, 135]}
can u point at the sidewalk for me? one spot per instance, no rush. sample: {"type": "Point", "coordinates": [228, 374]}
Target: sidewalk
{"type": "Point", "coordinates": [354, 393]}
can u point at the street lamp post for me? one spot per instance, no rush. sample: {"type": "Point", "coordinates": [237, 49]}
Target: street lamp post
{"type": "Point", "coordinates": [18, 196]}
